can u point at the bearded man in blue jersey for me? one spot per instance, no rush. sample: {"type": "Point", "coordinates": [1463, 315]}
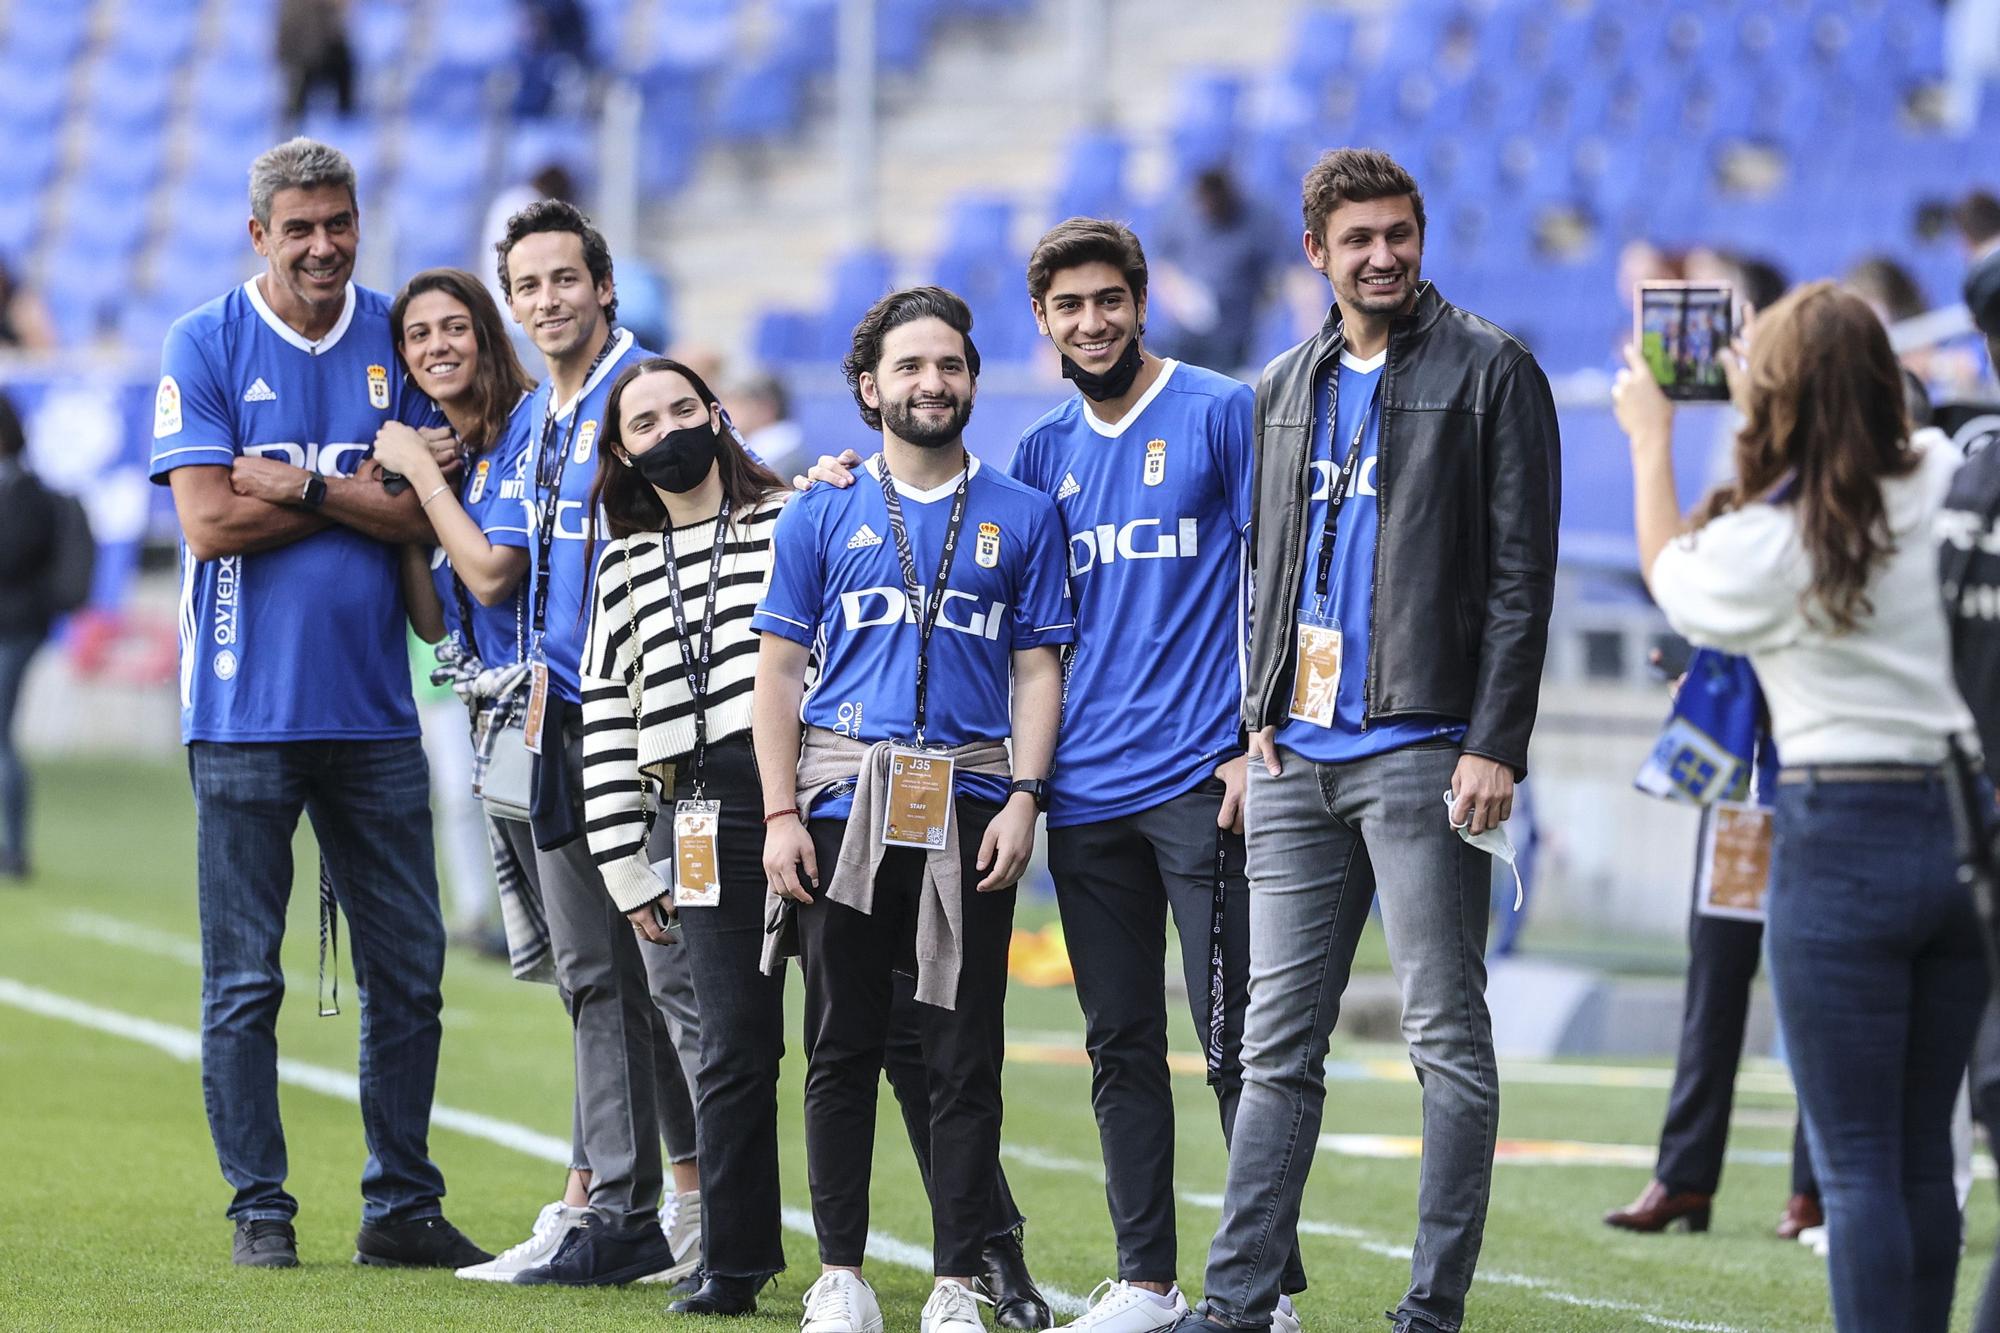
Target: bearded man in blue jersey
{"type": "Point", "coordinates": [1408, 488]}
{"type": "Point", "coordinates": [1149, 465]}
{"type": "Point", "coordinates": [295, 696]}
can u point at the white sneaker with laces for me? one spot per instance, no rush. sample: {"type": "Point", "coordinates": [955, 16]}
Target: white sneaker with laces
{"type": "Point", "coordinates": [552, 1224]}
{"type": "Point", "coordinates": [953, 1308]}
{"type": "Point", "coordinates": [1117, 1306]}
{"type": "Point", "coordinates": [680, 1223]}
{"type": "Point", "coordinates": [1285, 1319]}
{"type": "Point", "coordinates": [840, 1302]}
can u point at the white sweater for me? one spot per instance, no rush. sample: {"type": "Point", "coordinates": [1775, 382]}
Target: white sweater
{"type": "Point", "coordinates": [1880, 693]}
{"type": "Point", "coordinates": [615, 750]}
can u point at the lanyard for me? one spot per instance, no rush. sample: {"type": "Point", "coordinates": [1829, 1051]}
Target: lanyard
{"type": "Point", "coordinates": [1336, 498]}
{"type": "Point", "coordinates": [697, 681]}
{"type": "Point", "coordinates": [548, 485]}
{"type": "Point", "coordinates": [1218, 908]}
{"type": "Point", "coordinates": [927, 621]}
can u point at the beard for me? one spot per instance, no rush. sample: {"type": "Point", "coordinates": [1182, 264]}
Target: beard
{"type": "Point", "coordinates": [922, 431]}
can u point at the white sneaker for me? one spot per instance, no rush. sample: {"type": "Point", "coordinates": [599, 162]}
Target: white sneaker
{"type": "Point", "coordinates": [1285, 1319]}
{"type": "Point", "coordinates": [1119, 1307]}
{"type": "Point", "coordinates": [680, 1223]}
{"type": "Point", "coordinates": [953, 1308]}
{"type": "Point", "coordinates": [840, 1302]}
{"type": "Point", "coordinates": [552, 1224]}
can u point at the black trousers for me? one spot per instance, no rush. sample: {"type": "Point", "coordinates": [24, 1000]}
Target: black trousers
{"type": "Point", "coordinates": [1723, 955]}
{"type": "Point", "coordinates": [1116, 882]}
{"type": "Point", "coordinates": [849, 959]}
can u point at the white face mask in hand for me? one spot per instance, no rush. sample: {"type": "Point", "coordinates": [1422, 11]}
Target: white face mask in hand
{"type": "Point", "coordinates": [1494, 842]}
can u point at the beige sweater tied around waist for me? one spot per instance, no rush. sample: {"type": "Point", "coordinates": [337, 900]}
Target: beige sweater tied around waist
{"type": "Point", "coordinates": [827, 759]}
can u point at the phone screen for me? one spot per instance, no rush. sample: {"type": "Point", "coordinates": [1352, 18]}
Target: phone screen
{"type": "Point", "coordinates": [1684, 331]}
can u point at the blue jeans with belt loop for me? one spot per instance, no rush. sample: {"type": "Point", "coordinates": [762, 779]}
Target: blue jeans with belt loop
{"type": "Point", "coordinates": [1880, 979]}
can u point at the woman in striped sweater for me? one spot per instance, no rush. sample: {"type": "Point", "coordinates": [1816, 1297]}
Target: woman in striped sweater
{"type": "Point", "coordinates": [666, 675]}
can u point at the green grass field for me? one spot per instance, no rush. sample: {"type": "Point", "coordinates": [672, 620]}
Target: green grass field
{"type": "Point", "coordinates": [114, 1212]}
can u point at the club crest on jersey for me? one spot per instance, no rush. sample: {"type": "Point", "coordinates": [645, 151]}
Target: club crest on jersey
{"type": "Point", "coordinates": [479, 480]}
{"type": "Point", "coordinates": [167, 408]}
{"type": "Point", "coordinates": [378, 386]}
{"type": "Point", "coordinates": [1156, 462]}
{"type": "Point", "coordinates": [987, 551]}
{"type": "Point", "coordinates": [586, 435]}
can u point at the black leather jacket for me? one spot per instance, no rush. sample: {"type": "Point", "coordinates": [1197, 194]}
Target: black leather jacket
{"type": "Point", "coordinates": [1468, 488]}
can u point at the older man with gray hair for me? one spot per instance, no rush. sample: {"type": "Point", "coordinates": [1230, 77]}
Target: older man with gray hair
{"type": "Point", "coordinates": [295, 698]}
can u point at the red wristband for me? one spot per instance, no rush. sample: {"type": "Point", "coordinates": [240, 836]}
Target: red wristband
{"type": "Point", "coordinates": [780, 814]}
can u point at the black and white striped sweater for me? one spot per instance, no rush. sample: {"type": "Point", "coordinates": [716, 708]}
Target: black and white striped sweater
{"type": "Point", "coordinates": [615, 750]}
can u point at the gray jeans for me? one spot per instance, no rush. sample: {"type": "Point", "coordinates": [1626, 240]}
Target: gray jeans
{"type": "Point", "coordinates": [1325, 840]}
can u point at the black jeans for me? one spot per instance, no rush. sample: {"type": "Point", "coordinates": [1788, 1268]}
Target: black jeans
{"type": "Point", "coordinates": [848, 958]}
{"type": "Point", "coordinates": [1722, 962]}
{"type": "Point", "coordinates": [1116, 881]}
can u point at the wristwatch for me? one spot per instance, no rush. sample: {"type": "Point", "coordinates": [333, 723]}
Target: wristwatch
{"type": "Point", "coordinates": [1035, 787]}
{"type": "Point", "coordinates": [314, 494]}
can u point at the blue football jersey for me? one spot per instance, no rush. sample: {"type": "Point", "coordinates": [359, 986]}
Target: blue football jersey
{"type": "Point", "coordinates": [306, 641]}
{"type": "Point", "coordinates": [837, 587]}
{"type": "Point", "coordinates": [576, 428]}
{"type": "Point", "coordinates": [494, 495]}
{"type": "Point", "coordinates": [1351, 582]}
{"type": "Point", "coordinates": [1155, 508]}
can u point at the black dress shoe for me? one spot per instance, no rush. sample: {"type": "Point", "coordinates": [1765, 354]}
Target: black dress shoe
{"type": "Point", "coordinates": [1017, 1302]}
{"type": "Point", "coordinates": [593, 1255]}
{"type": "Point", "coordinates": [720, 1295]}
{"type": "Point", "coordinates": [265, 1242]}
{"type": "Point", "coordinates": [427, 1242]}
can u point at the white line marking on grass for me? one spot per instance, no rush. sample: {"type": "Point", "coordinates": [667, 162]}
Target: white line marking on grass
{"type": "Point", "coordinates": [116, 930]}
{"type": "Point", "coordinates": [185, 1045]}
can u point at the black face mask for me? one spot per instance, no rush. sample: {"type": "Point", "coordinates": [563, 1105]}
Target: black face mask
{"type": "Point", "coordinates": [680, 459]}
{"type": "Point", "coordinates": [1114, 382]}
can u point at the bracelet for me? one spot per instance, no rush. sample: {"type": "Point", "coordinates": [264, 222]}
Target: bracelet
{"type": "Point", "coordinates": [442, 487]}
{"type": "Point", "coordinates": [780, 814]}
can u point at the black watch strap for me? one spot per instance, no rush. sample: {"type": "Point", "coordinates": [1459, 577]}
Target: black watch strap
{"type": "Point", "coordinates": [314, 494]}
{"type": "Point", "coordinates": [1035, 787]}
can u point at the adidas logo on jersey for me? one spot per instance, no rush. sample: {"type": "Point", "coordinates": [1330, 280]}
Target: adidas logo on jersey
{"type": "Point", "coordinates": [259, 392]}
{"type": "Point", "coordinates": [1068, 487]}
{"type": "Point", "coordinates": [864, 536]}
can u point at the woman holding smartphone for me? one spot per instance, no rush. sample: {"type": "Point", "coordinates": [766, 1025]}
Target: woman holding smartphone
{"type": "Point", "coordinates": [690, 515]}
{"type": "Point", "coordinates": [1816, 562]}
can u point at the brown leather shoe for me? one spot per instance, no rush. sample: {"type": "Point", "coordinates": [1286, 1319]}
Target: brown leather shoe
{"type": "Point", "coordinates": [1803, 1211]}
{"type": "Point", "coordinates": [1656, 1209]}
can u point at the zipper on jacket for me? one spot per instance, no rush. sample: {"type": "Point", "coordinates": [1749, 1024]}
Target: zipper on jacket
{"type": "Point", "coordinates": [1381, 532]}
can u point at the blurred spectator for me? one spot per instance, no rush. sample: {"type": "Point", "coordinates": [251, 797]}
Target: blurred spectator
{"type": "Point", "coordinates": [24, 321]}
{"type": "Point", "coordinates": [551, 181]}
{"type": "Point", "coordinates": [555, 50]}
{"type": "Point", "coordinates": [703, 359]}
{"type": "Point", "coordinates": [760, 408]}
{"type": "Point", "coordinates": [1212, 262]}
{"type": "Point", "coordinates": [314, 54]}
{"type": "Point", "coordinates": [27, 546]}
{"type": "Point", "coordinates": [1814, 562]}
{"type": "Point", "coordinates": [1758, 282]}
{"type": "Point", "coordinates": [1889, 289]}
{"type": "Point", "coordinates": [1977, 218]}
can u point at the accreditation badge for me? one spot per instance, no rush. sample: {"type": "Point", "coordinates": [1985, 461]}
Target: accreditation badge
{"type": "Point", "coordinates": [697, 870]}
{"type": "Point", "coordinates": [1316, 672]}
{"type": "Point", "coordinates": [918, 808]}
{"type": "Point", "coordinates": [538, 707]}
{"type": "Point", "coordinates": [1735, 869]}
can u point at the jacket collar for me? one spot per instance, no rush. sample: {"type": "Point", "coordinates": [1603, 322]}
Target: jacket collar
{"type": "Point", "coordinates": [1423, 313]}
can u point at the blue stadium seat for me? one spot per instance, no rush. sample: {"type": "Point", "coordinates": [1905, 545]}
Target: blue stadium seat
{"type": "Point", "coordinates": [782, 337]}
{"type": "Point", "coordinates": [530, 145]}
{"type": "Point", "coordinates": [859, 277]}
{"type": "Point", "coordinates": [694, 35]}
{"type": "Point", "coordinates": [1093, 176]}
{"type": "Point", "coordinates": [47, 36]}
{"type": "Point", "coordinates": [675, 116]}
{"type": "Point", "coordinates": [1204, 126]}
{"type": "Point", "coordinates": [1320, 47]}
{"type": "Point", "coordinates": [20, 224]}
{"type": "Point", "coordinates": [476, 35]}
{"type": "Point", "coordinates": [759, 102]}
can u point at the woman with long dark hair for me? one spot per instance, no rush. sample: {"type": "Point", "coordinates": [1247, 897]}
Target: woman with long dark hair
{"type": "Point", "coordinates": [1816, 562]}
{"type": "Point", "coordinates": [668, 773]}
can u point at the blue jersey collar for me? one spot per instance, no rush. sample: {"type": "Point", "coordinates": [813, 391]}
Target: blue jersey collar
{"type": "Point", "coordinates": [1132, 413]}
{"type": "Point", "coordinates": [943, 491]}
{"type": "Point", "coordinates": [292, 335]}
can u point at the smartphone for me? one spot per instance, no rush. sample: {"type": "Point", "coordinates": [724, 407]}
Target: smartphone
{"type": "Point", "coordinates": [1683, 330]}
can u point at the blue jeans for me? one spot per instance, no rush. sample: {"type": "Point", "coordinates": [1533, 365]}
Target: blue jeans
{"type": "Point", "coordinates": [1325, 840]}
{"type": "Point", "coordinates": [1876, 959]}
{"type": "Point", "coordinates": [16, 651]}
{"type": "Point", "coordinates": [369, 803]}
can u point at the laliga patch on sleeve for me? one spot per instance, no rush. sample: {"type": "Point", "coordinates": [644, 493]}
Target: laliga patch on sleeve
{"type": "Point", "coordinates": [167, 408]}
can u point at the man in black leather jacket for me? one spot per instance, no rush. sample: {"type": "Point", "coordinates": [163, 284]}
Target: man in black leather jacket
{"type": "Point", "coordinates": [1405, 555]}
